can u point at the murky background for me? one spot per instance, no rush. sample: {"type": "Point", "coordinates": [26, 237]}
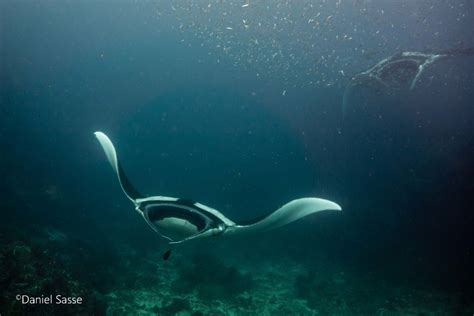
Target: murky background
{"type": "Point", "coordinates": [237, 105]}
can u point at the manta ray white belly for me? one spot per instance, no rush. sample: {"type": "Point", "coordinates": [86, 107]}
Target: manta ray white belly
{"type": "Point", "coordinates": [180, 220]}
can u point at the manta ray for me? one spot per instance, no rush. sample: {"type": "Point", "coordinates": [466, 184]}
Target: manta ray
{"type": "Point", "coordinates": [398, 72]}
{"type": "Point", "coordinates": [181, 220]}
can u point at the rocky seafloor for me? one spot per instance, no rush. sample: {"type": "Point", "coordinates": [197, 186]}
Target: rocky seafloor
{"type": "Point", "coordinates": [122, 281]}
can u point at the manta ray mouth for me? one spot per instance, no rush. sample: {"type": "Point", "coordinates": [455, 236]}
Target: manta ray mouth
{"type": "Point", "coordinates": [178, 220]}
{"type": "Point", "coordinates": [174, 221]}
{"type": "Point", "coordinates": [160, 212]}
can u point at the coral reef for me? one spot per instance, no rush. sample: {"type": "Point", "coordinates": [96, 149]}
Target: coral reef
{"type": "Point", "coordinates": [319, 290]}
{"type": "Point", "coordinates": [211, 278]}
{"type": "Point", "coordinates": [330, 293]}
{"type": "Point", "coordinates": [123, 281]}
{"type": "Point", "coordinates": [177, 305]}
{"type": "Point", "coordinates": [30, 268]}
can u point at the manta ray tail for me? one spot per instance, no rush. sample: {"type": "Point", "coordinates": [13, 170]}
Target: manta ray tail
{"type": "Point", "coordinates": [111, 155]}
{"type": "Point", "coordinates": [286, 214]}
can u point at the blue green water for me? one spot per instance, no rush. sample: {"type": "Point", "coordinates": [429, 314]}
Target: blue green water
{"type": "Point", "coordinates": [237, 105]}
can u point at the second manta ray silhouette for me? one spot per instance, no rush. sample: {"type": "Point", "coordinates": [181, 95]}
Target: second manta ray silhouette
{"type": "Point", "coordinates": [397, 72]}
{"type": "Point", "coordinates": [179, 220]}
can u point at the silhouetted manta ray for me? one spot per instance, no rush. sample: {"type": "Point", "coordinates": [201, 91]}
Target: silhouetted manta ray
{"type": "Point", "coordinates": [180, 220]}
{"type": "Point", "coordinates": [400, 71]}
